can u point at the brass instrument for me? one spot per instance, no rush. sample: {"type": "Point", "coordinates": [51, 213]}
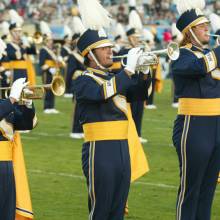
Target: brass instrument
{"type": "Point", "coordinates": [59, 59]}
{"type": "Point", "coordinates": [57, 86]}
{"type": "Point", "coordinates": [150, 58]}
{"type": "Point", "coordinates": [37, 38]}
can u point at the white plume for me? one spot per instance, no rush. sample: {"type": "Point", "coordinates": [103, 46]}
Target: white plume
{"type": "Point", "coordinates": [176, 33]}
{"type": "Point", "coordinates": [120, 30]}
{"type": "Point", "coordinates": [77, 25]}
{"type": "Point", "coordinates": [93, 15]}
{"type": "Point", "coordinates": [185, 5]}
{"type": "Point", "coordinates": [132, 3]}
{"type": "Point", "coordinates": [148, 36]}
{"type": "Point", "coordinates": [135, 20]}
{"type": "Point", "coordinates": [2, 48]}
{"type": "Point", "coordinates": [4, 28]}
{"type": "Point", "coordinates": [215, 22]}
{"type": "Point", "coordinates": [45, 29]}
{"type": "Point", "coordinates": [67, 31]}
{"type": "Point", "coordinates": [15, 17]}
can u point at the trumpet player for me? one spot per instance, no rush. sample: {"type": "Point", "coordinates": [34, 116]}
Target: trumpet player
{"type": "Point", "coordinates": [5, 73]}
{"type": "Point", "coordinates": [137, 107]}
{"type": "Point", "coordinates": [215, 24]}
{"type": "Point", "coordinates": [65, 53]}
{"type": "Point", "coordinates": [75, 67]}
{"type": "Point", "coordinates": [14, 117]}
{"type": "Point", "coordinates": [17, 52]}
{"type": "Point", "coordinates": [50, 67]}
{"type": "Point", "coordinates": [196, 131]}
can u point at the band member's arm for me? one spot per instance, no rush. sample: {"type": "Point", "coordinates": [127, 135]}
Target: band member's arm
{"type": "Point", "coordinates": [189, 65]}
{"type": "Point", "coordinates": [139, 91]}
{"type": "Point", "coordinates": [6, 107]}
{"type": "Point", "coordinates": [24, 117]}
{"type": "Point", "coordinates": [42, 58]}
{"type": "Point", "coordinates": [88, 88]}
{"type": "Point", "coordinates": [31, 49]}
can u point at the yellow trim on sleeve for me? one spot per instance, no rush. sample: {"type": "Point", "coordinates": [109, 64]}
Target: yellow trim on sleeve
{"type": "Point", "coordinates": [104, 91]}
{"type": "Point", "coordinates": [215, 59]}
{"type": "Point", "coordinates": [114, 85]}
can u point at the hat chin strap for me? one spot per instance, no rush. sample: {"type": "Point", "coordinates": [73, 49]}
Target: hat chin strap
{"type": "Point", "coordinates": [96, 61]}
{"type": "Point", "coordinates": [196, 38]}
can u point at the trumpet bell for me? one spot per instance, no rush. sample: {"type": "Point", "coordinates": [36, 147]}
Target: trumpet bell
{"type": "Point", "coordinates": [145, 60]}
{"type": "Point", "coordinates": [173, 51]}
{"type": "Point", "coordinates": [58, 86]}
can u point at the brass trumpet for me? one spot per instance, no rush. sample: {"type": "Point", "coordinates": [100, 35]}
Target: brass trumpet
{"type": "Point", "coordinates": [150, 58]}
{"type": "Point", "coordinates": [57, 86]}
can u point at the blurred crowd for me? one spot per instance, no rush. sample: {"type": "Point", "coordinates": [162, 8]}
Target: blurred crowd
{"type": "Point", "coordinates": [152, 11]}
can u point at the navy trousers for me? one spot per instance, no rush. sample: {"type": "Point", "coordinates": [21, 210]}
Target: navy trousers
{"type": "Point", "coordinates": [76, 126]}
{"type": "Point", "coordinates": [197, 142]}
{"type": "Point", "coordinates": [137, 110]}
{"type": "Point", "coordinates": [49, 99]}
{"type": "Point", "coordinates": [106, 165]}
{"type": "Point", "coordinates": [7, 191]}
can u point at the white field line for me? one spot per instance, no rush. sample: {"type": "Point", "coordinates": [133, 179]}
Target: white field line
{"type": "Point", "coordinates": [157, 185]}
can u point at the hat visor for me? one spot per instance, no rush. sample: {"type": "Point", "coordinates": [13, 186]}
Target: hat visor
{"type": "Point", "coordinates": [204, 20]}
{"type": "Point", "coordinates": [109, 44]}
{"type": "Point", "coordinates": [200, 20]}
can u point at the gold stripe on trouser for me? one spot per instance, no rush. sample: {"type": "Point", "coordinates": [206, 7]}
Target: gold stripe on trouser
{"type": "Point", "coordinates": [91, 178]}
{"type": "Point", "coordinates": [184, 166]}
{"type": "Point", "coordinates": [219, 178]}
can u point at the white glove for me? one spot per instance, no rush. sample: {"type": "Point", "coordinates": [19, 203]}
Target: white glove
{"type": "Point", "coordinates": [8, 73]}
{"type": "Point", "coordinates": [2, 48]}
{"type": "Point", "coordinates": [17, 88]}
{"type": "Point", "coordinates": [60, 59]}
{"type": "Point", "coordinates": [25, 41]}
{"type": "Point", "coordinates": [52, 70]}
{"type": "Point", "coordinates": [132, 58]}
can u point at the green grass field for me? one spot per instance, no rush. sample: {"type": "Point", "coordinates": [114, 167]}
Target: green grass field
{"type": "Point", "coordinates": [58, 187]}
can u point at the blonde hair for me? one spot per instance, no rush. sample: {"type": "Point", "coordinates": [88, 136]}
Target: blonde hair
{"type": "Point", "coordinates": [186, 40]}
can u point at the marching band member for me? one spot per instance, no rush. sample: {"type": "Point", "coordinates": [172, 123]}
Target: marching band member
{"type": "Point", "coordinates": [5, 72]}
{"type": "Point", "coordinates": [20, 65]}
{"type": "Point", "coordinates": [50, 66]}
{"type": "Point", "coordinates": [75, 67]}
{"type": "Point", "coordinates": [215, 24]}
{"type": "Point", "coordinates": [196, 132]}
{"type": "Point", "coordinates": [65, 53]}
{"type": "Point", "coordinates": [176, 37]}
{"type": "Point", "coordinates": [103, 112]}
{"type": "Point", "coordinates": [133, 34]}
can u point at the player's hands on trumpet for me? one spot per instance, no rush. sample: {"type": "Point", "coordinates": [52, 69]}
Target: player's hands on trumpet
{"type": "Point", "coordinates": [132, 59]}
{"type": "Point", "coordinates": [52, 71]}
{"type": "Point", "coordinates": [16, 89]}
